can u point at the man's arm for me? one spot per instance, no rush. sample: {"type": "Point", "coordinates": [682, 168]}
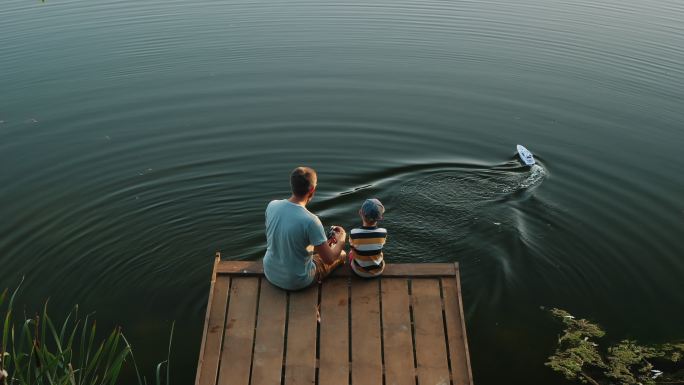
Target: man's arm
{"type": "Point", "coordinates": [331, 254]}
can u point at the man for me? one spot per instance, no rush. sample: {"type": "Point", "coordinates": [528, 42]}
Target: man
{"type": "Point", "coordinates": [293, 234]}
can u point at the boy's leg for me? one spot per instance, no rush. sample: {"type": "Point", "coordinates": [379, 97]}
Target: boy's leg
{"type": "Point", "coordinates": [323, 269]}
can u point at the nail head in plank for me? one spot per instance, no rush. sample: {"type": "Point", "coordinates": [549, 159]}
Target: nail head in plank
{"type": "Point", "coordinates": [365, 333]}
{"type": "Point", "coordinates": [431, 355]}
{"type": "Point", "coordinates": [300, 359]}
{"type": "Point", "coordinates": [396, 332]}
{"type": "Point", "coordinates": [236, 356]}
{"type": "Point", "coordinates": [216, 316]}
{"type": "Point", "coordinates": [458, 341]}
{"type": "Point", "coordinates": [267, 363]}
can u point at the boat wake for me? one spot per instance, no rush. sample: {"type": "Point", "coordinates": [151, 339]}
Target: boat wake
{"type": "Point", "coordinates": [533, 178]}
{"type": "Point", "coordinates": [458, 181]}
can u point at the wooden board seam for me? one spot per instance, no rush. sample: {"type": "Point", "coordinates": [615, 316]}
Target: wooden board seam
{"type": "Point", "coordinates": [465, 336]}
{"type": "Point", "coordinates": [256, 319]}
{"type": "Point", "coordinates": [446, 332]}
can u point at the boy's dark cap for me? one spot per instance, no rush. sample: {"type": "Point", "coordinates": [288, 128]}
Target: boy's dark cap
{"type": "Point", "coordinates": [372, 209]}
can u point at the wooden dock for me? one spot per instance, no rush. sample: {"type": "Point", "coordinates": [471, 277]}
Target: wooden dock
{"type": "Point", "coordinates": [406, 327]}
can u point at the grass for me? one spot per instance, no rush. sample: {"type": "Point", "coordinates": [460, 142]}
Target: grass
{"type": "Point", "coordinates": [37, 351]}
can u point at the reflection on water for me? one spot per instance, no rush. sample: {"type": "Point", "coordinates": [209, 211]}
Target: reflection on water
{"type": "Point", "coordinates": [137, 138]}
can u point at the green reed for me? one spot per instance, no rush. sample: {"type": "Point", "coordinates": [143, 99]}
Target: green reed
{"type": "Point", "coordinates": [36, 350]}
{"type": "Point", "coordinates": [580, 357]}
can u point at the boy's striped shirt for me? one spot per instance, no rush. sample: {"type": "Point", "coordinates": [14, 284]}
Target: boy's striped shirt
{"type": "Point", "coordinates": [367, 243]}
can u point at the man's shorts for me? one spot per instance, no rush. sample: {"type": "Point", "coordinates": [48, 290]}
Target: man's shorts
{"type": "Point", "coordinates": [322, 269]}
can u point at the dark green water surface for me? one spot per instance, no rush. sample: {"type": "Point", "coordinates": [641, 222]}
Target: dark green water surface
{"type": "Point", "coordinates": [138, 137]}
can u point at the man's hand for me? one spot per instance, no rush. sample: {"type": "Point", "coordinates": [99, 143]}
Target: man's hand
{"type": "Point", "coordinates": [331, 252]}
{"type": "Point", "coordinates": [340, 234]}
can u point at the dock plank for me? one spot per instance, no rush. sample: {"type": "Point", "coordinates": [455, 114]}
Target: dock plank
{"type": "Point", "coordinates": [334, 336]}
{"type": "Point", "coordinates": [391, 270]}
{"type": "Point", "coordinates": [236, 356]}
{"type": "Point", "coordinates": [458, 342]}
{"type": "Point", "coordinates": [300, 359]}
{"type": "Point", "coordinates": [269, 341]}
{"type": "Point", "coordinates": [396, 333]}
{"type": "Point", "coordinates": [365, 335]}
{"type": "Point", "coordinates": [431, 354]}
{"type": "Point", "coordinates": [207, 370]}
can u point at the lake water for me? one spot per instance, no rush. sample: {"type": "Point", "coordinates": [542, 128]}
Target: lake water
{"type": "Point", "coordinates": [138, 137]}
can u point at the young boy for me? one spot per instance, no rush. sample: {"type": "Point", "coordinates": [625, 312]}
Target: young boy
{"type": "Point", "coordinates": [366, 242]}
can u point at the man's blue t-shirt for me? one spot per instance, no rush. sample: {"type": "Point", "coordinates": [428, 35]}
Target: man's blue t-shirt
{"type": "Point", "coordinates": [291, 233]}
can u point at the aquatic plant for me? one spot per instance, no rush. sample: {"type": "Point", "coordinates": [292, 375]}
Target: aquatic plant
{"type": "Point", "coordinates": [36, 350]}
{"type": "Point", "coordinates": [578, 357]}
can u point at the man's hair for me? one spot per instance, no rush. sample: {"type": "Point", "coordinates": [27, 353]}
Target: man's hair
{"type": "Point", "coordinates": [302, 180]}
